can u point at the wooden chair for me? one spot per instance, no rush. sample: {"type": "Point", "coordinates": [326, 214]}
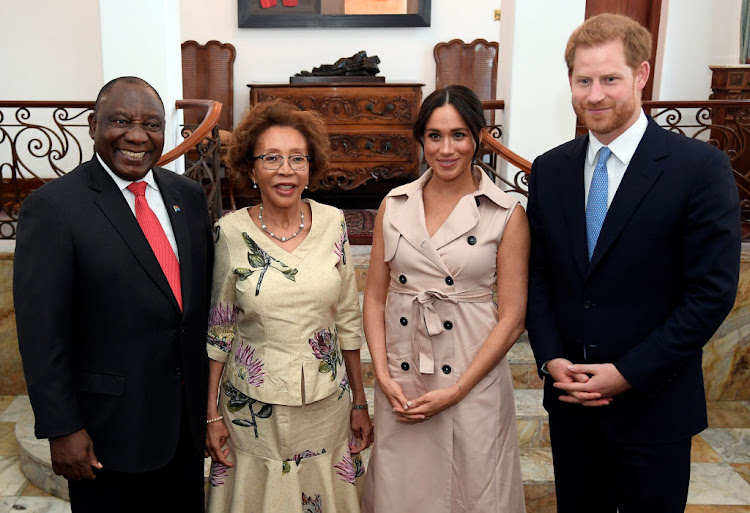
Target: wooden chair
{"type": "Point", "coordinates": [207, 73]}
{"type": "Point", "coordinates": [473, 65]}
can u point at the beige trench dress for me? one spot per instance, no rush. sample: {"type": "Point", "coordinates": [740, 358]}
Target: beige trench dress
{"type": "Point", "coordinates": [438, 313]}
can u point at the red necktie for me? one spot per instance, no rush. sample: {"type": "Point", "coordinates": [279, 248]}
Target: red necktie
{"type": "Point", "coordinates": [157, 239]}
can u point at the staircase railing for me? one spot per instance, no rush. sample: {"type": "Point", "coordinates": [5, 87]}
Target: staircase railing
{"type": "Point", "coordinates": [43, 140]}
{"type": "Point", "coordinates": [722, 123]}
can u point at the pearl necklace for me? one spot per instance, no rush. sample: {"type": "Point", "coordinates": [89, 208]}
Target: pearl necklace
{"type": "Point", "coordinates": [282, 239]}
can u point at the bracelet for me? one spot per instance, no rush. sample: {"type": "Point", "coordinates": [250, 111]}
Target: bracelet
{"type": "Point", "coordinates": [215, 420]}
{"type": "Point", "coordinates": [356, 406]}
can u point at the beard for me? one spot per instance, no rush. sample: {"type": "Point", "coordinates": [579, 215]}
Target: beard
{"type": "Point", "coordinates": [613, 119]}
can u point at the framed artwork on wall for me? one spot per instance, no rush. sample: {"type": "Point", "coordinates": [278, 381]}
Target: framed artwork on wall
{"type": "Point", "coordinates": [333, 13]}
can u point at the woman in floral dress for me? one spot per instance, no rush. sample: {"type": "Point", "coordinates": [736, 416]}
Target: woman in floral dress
{"type": "Point", "coordinates": [284, 333]}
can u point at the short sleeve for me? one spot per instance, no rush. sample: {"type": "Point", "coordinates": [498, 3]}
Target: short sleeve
{"type": "Point", "coordinates": [223, 316]}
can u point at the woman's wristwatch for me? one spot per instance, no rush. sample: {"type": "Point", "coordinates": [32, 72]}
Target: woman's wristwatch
{"type": "Point", "coordinates": [356, 406]}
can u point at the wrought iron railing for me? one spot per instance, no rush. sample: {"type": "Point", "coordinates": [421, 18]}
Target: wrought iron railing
{"type": "Point", "coordinates": [42, 140]}
{"type": "Point", "coordinates": [722, 123]}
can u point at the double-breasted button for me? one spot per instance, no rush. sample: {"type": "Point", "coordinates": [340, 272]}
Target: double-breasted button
{"type": "Point", "coordinates": [587, 305]}
{"type": "Point", "coordinates": [178, 371]}
{"type": "Point", "coordinates": [471, 240]}
{"type": "Point", "coordinates": [448, 325]}
{"type": "Point", "coordinates": [448, 280]}
{"type": "Point", "coordinates": [402, 279]}
{"type": "Point", "coordinates": [446, 369]}
{"type": "Point", "coordinates": [404, 321]}
{"type": "Point", "coordinates": [405, 366]}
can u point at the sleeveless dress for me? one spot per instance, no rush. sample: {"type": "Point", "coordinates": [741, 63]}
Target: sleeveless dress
{"type": "Point", "coordinates": [438, 313]}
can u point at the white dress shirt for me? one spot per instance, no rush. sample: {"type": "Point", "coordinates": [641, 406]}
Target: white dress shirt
{"type": "Point", "coordinates": [622, 148]}
{"type": "Point", "coordinates": [153, 197]}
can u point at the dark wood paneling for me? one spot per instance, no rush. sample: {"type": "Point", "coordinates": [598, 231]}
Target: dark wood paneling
{"type": "Point", "coordinates": [645, 12]}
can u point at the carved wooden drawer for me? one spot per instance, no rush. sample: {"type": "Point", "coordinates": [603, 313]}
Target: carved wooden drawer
{"type": "Point", "coordinates": [369, 126]}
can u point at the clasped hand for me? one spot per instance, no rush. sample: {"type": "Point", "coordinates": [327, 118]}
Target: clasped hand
{"type": "Point", "coordinates": [423, 407]}
{"type": "Point", "coordinates": [587, 384]}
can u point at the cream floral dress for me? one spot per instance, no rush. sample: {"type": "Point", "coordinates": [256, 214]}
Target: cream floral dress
{"type": "Point", "coordinates": [279, 321]}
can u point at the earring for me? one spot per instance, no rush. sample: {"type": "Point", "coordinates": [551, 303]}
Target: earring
{"type": "Point", "coordinates": [255, 185]}
{"type": "Point", "coordinates": [305, 187]}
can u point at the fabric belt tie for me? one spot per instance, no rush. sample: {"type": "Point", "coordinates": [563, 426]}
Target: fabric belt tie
{"type": "Point", "coordinates": [431, 324]}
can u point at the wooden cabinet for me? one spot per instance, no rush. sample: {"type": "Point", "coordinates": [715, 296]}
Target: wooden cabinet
{"type": "Point", "coordinates": [369, 126]}
{"type": "Point", "coordinates": [730, 82]}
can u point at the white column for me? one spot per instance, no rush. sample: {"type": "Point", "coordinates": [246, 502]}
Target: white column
{"type": "Point", "coordinates": [533, 76]}
{"type": "Point", "coordinates": [142, 38]}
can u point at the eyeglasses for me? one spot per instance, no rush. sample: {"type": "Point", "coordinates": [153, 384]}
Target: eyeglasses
{"type": "Point", "coordinates": [272, 162]}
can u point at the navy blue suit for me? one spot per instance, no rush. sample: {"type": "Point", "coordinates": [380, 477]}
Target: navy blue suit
{"type": "Point", "coordinates": [662, 278]}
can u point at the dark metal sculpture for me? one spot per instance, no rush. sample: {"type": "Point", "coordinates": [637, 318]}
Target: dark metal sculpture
{"type": "Point", "coordinates": [358, 64]}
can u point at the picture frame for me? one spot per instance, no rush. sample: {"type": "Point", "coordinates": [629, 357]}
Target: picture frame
{"type": "Point", "coordinates": [307, 14]}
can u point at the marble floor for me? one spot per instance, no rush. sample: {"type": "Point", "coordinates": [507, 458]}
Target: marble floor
{"type": "Point", "coordinates": [720, 481]}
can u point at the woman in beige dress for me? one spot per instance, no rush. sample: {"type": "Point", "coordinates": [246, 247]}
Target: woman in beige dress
{"type": "Point", "coordinates": [284, 333]}
{"type": "Point", "coordinates": [445, 432]}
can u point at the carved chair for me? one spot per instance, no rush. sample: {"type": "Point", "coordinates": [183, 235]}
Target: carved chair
{"type": "Point", "coordinates": [207, 73]}
{"type": "Point", "coordinates": [473, 65]}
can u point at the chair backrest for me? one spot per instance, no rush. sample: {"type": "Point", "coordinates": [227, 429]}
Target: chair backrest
{"type": "Point", "coordinates": [473, 65]}
{"type": "Point", "coordinates": [207, 73]}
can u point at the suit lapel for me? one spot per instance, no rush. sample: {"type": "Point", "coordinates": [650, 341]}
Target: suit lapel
{"type": "Point", "coordinates": [174, 201]}
{"type": "Point", "coordinates": [571, 197]}
{"type": "Point", "coordinates": [111, 202]}
{"type": "Point", "coordinates": [639, 177]}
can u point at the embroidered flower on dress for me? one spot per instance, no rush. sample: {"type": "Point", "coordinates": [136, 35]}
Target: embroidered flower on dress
{"type": "Point", "coordinates": [312, 505]}
{"type": "Point", "coordinates": [297, 458]}
{"type": "Point", "coordinates": [237, 401]}
{"type": "Point", "coordinates": [344, 386]}
{"type": "Point", "coordinates": [249, 368]}
{"type": "Point", "coordinates": [219, 472]}
{"type": "Point", "coordinates": [350, 467]}
{"type": "Point", "coordinates": [339, 246]}
{"type": "Point", "coordinates": [259, 259]}
{"type": "Point", "coordinates": [325, 347]}
{"type": "Point", "coordinates": [221, 326]}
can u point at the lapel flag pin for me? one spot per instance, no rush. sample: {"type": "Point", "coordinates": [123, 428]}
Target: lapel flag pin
{"type": "Point", "coordinates": [176, 208]}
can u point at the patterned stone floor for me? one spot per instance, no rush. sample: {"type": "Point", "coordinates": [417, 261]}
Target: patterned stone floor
{"type": "Point", "coordinates": [720, 481]}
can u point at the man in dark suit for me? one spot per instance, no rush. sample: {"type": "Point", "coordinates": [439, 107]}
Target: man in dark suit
{"type": "Point", "coordinates": [111, 287]}
{"type": "Point", "coordinates": [634, 265]}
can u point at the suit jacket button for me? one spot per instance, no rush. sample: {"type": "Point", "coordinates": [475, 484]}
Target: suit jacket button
{"type": "Point", "coordinates": [446, 369]}
{"type": "Point", "coordinates": [471, 240]}
{"type": "Point", "coordinates": [178, 371]}
{"type": "Point", "coordinates": [448, 325]}
{"type": "Point", "coordinates": [403, 321]}
{"type": "Point", "coordinates": [448, 280]}
{"type": "Point", "coordinates": [587, 305]}
{"type": "Point", "coordinates": [405, 366]}
{"type": "Point", "coordinates": [402, 279]}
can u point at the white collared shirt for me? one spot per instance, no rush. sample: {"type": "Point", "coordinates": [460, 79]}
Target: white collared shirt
{"type": "Point", "coordinates": [153, 197]}
{"type": "Point", "coordinates": [622, 148]}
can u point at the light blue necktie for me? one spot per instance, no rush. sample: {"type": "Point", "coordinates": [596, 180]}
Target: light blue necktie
{"type": "Point", "coordinates": [596, 207]}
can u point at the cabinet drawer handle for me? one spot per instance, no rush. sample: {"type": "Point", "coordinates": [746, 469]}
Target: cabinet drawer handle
{"type": "Point", "coordinates": [387, 146]}
{"type": "Point", "coordinates": [389, 107]}
{"type": "Point", "coordinates": [368, 146]}
{"type": "Point", "coordinates": [300, 106]}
